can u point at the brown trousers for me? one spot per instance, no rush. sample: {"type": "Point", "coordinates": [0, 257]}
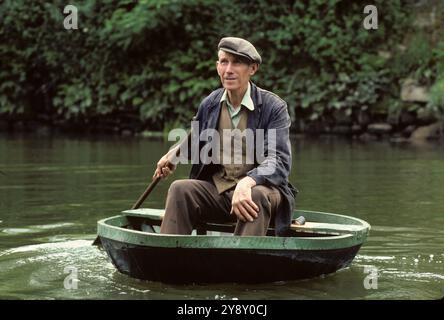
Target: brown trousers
{"type": "Point", "coordinates": [190, 201]}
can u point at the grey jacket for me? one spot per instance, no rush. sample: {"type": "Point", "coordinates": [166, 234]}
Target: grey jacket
{"type": "Point", "coordinates": [270, 112]}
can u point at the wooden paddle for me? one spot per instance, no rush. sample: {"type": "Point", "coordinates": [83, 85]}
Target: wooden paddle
{"type": "Point", "coordinates": [150, 187]}
{"type": "Point", "coordinates": [146, 193]}
{"type": "Point", "coordinates": [136, 205]}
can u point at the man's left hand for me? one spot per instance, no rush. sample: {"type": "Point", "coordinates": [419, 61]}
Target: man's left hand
{"type": "Point", "coordinates": [242, 204]}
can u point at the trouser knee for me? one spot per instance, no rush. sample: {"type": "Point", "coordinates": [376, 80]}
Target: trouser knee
{"type": "Point", "coordinates": [259, 195]}
{"type": "Point", "coordinates": [179, 188]}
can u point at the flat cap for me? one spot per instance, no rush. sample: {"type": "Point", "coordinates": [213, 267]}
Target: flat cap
{"type": "Point", "coordinates": [240, 47]}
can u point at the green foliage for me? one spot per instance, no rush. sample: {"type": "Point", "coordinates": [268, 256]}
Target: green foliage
{"type": "Point", "coordinates": [436, 104]}
{"type": "Point", "coordinates": [438, 55]}
{"type": "Point", "coordinates": [416, 61]}
{"type": "Point", "coordinates": [156, 59]}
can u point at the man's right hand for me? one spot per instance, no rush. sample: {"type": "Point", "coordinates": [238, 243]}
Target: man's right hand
{"type": "Point", "coordinates": [164, 168]}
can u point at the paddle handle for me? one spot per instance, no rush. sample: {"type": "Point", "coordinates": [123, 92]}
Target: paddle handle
{"type": "Point", "coordinates": [155, 181]}
{"type": "Point", "coordinates": [146, 193]}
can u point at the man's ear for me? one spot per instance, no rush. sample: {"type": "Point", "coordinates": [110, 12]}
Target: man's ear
{"type": "Point", "coordinates": [217, 69]}
{"type": "Point", "coordinates": [253, 68]}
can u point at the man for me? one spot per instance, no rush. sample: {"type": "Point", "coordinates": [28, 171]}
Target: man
{"type": "Point", "coordinates": [248, 193]}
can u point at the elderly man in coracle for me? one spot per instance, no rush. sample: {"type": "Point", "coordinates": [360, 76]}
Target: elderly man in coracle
{"type": "Point", "coordinates": [248, 193]}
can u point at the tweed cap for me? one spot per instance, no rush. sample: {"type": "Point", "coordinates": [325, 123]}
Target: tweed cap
{"type": "Point", "coordinates": [240, 47]}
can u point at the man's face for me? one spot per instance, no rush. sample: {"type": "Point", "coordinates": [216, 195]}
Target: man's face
{"type": "Point", "coordinates": [234, 72]}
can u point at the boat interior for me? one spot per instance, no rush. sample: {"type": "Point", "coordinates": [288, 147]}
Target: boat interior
{"type": "Point", "coordinates": [309, 229]}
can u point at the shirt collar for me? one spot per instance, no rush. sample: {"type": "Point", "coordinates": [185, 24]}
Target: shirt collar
{"type": "Point", "coordinates": [246, 100]}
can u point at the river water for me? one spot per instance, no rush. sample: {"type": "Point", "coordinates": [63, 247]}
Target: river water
{"type": "Point", "coordinates": [54, 189]}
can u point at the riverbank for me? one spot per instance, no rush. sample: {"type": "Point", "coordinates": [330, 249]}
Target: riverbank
{"type": "Point", "coordinates": [407, 128]}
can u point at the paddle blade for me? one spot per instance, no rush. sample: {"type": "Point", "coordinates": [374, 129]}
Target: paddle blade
{"type": "Point", "coordinates": [97, 242]}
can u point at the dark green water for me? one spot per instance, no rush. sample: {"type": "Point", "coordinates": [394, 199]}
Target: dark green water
{"type": "Point", "coordinates": [53, 190]}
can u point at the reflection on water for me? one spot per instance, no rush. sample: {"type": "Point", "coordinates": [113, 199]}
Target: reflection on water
{"type": "Point", "coordinates": [54, 190]}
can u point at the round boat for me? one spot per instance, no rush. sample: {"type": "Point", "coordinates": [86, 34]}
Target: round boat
{"type": "Point", "coordinates": [324, 244]}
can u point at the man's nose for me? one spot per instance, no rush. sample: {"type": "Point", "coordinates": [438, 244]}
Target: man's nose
{"type": "Point", "coordinates": [229, 68]}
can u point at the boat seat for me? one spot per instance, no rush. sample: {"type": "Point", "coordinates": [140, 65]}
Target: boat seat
{"type": "Point", "coordinates": [326, 228]}
{"type": "Point", "coordinates": [308, 227]}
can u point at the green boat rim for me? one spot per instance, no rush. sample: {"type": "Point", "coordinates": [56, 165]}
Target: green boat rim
{"type": "Point", "coordinates": [112, 228]}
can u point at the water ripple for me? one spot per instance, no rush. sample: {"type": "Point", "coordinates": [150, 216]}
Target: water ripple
{"type": "Point", "coordinates": [36, 228]}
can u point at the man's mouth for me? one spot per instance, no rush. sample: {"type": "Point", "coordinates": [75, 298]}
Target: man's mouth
{"type": "Point", "coordinates": [230, 78]}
